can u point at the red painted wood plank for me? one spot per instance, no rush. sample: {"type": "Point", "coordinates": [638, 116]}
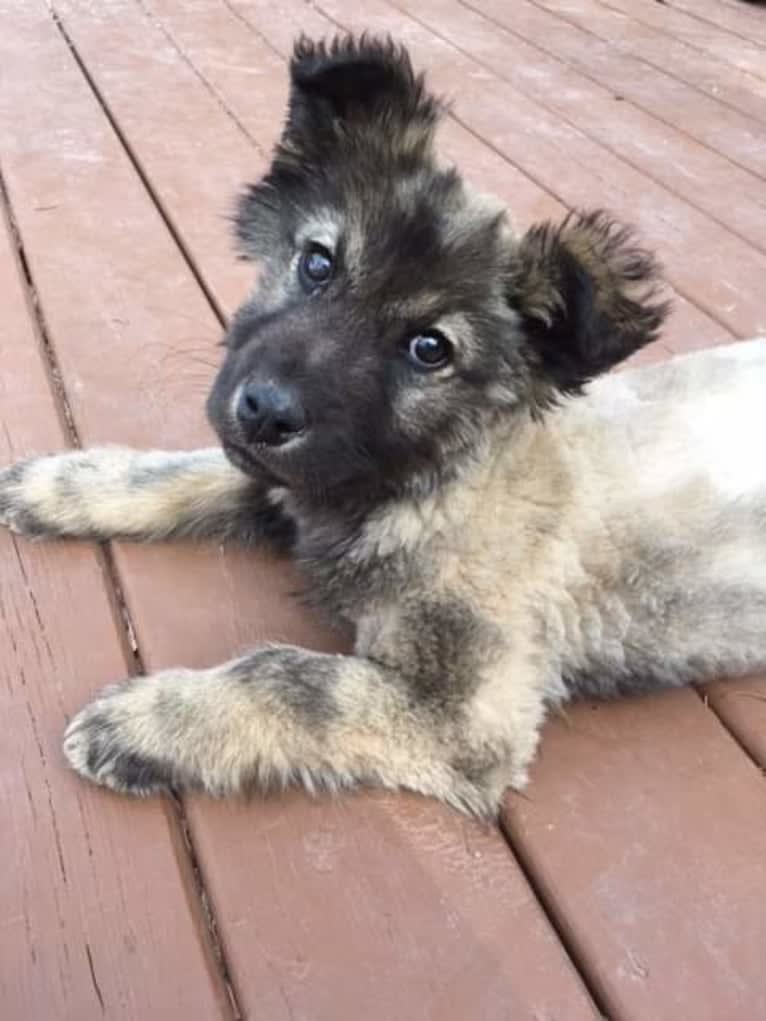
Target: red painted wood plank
{"type": "Point", "coordinates": [689, 170]}
{"type": "Point", "coordinates": [653, 86]}
{"type": "Point", "coordinates": [742, 705]}
{"type": "Point", "coordinates": [382, 906]}
{"type": "Point", "coordinates": [647, 829]}
{"type": "Point", "coordinates": [653, 48]}
{"type": "Point", "coordinates": [431, 901]}
{"type": "Point", "coordinates": [736, 16]}
{"type": "Point", "coordinates": [98, 915]}
{"type": "Point", "coordinates": [710, 41]}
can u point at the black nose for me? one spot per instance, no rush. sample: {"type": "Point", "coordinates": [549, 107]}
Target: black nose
{"type": "Point", "coordinates": [270, 412]}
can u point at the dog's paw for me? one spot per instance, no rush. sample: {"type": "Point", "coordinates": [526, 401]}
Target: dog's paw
{"type": "Point", "coordinates": [35, 498]}
{"type": "Point", "coordinates": [15, 512]}
{"type": "Point", "coordinates": [103, 744]}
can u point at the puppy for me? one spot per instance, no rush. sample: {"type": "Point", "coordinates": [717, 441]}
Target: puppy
{"type": "Point", "coordinates": [408, 406]}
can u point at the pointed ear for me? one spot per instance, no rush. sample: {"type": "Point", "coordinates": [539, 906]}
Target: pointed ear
{"type": "Point", "coordinates": [587, 295]}
{"type": "Point", "coordinates": [357, 83]}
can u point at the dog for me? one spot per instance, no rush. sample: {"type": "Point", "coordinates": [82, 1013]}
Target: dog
{"type": "Point", "coordinates": [413, 404]}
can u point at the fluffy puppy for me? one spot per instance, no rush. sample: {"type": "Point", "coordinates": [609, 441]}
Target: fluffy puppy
{"type": "Point", "coordinates": [408, 406]}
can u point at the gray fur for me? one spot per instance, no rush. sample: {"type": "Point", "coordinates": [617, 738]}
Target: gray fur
{"type": "Point", "coordinates": [306, 694]}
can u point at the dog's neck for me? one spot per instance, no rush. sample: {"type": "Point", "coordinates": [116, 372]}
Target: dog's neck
{"type": "Point", "coordinates": [364, 549]}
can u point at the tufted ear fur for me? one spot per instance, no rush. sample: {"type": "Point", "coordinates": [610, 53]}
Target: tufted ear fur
{"type": "Point", "coordinates": [357, 112]}
{"type": "Point", "coordinates": [587, 295]}
{"type": "Point", "coordinates": [358, 84]}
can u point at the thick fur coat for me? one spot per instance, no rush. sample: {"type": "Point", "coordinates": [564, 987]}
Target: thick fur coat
{"type": "Point", "coordinates": [409, 407]}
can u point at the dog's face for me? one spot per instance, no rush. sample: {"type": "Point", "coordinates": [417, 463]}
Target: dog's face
{"type": "Point", "coordinates": [396, 319]}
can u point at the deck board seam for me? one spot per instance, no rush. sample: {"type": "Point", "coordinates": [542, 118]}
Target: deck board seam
{"type": "Point", "coordinates": [721, 716]}
{"type": "Point", "coordinates": [663, 69]}
{"type": "Point", "coordinates": [708, 54]}
{"type": "Point", "coordinates": [157, 21]}
{"type": "Point", "coordinates": [203, 902]}
{"type": "Point", "coordinates": [582, 73]}
{"type": "Point", "coordinates": [114, 591]}
{"type": "Point", "coordinates": [137, 166]}
{"type": "Point", "coordinates": [556, 919]}
{"type": "Point", "coordinates": [37, 315]}
{"type": "Point", "coordinates": [207, 911]}
{"type": "Point", "coordinates": [685, 12]}
{"type": "Point", "coordinates": [60, 399]}
{"type": "Point", "coordinates": [256, 31]}
{"type": "Point", "coordinates": [681, 196]}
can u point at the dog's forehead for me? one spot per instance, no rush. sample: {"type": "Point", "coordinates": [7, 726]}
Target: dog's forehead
{"type": "Point", "coordinates": [425, 225]}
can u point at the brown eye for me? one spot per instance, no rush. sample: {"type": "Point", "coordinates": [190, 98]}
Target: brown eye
{"type": "Point", "coordinates": [429, 350]}
{"type": "Point", "coordinates": [315, 267]}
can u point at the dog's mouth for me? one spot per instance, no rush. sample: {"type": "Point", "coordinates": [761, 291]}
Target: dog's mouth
{"type": "Point", "coordinates": [263, 460]}
{"type": "Point", "coordinates": [241, 458]}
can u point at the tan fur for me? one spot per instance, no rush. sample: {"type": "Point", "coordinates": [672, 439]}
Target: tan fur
{"type": "Point", "coordinates": [227, 735]}
{"type": "Point", "coordinates": [117, 492]}
{"type": "Point", "coordinates": [554, 536]}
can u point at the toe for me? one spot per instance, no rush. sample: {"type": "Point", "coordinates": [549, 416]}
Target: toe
{"type": "Point", "coordinates": [96, 748]}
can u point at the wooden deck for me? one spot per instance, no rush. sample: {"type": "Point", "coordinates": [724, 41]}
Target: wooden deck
{"type": "Point", "coordinates": [630, 881]}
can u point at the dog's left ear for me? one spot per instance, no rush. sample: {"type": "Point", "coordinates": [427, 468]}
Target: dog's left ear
{"type": "Point", "coordinates": [357, 83]}
{"type": "Point", "coordinates": [587, 295]}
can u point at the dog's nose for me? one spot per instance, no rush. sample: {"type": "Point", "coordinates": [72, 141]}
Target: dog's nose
{"type": "Point", "coordinates": [270, 412]}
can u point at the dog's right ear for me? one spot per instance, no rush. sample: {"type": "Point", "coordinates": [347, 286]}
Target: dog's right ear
{"type": "Point", "coordinates": [588, 297]}
{"type": "Point", "coordinates": [357, 85]}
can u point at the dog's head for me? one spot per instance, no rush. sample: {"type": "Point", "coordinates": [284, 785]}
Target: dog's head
{"type": "Point", "coordinates": [397, 319]}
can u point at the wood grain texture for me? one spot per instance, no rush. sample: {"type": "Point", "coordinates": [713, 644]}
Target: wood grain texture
{"type": "Point", "coordinates": [667, 154]}
{"type": "Point", "coordinates": [640, 52]}
{"type": "Point", "coordinates": [645, 827]}
{"type": "Point", "coordinates": [747, 22]}
{"type": "Point", "coordinates": [98, 914]}
{"type": "Point", "coordinates": [712, 117]}
{"type": "Point", "coordinates": [731, 49]}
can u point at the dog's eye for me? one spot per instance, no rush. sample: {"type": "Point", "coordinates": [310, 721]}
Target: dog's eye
{"type": "Point", "coordinates": [315, 266]}
{"type": "Point", "coordinates": [429, 350]}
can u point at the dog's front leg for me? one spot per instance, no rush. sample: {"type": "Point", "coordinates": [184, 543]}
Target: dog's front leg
{"type": "Point", "coordinates": [281, 715]}
{"type": "Point", "coordinates": [114, 492]}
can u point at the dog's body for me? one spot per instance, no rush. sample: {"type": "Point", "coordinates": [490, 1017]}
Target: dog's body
{"type": "Point", "coordinates": [395, 424]}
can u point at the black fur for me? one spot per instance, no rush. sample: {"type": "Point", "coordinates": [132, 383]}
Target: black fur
{"type": "Point", "coordinates": [357, 83]}
{"type": "Point", "coordinates": [573, 285]}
